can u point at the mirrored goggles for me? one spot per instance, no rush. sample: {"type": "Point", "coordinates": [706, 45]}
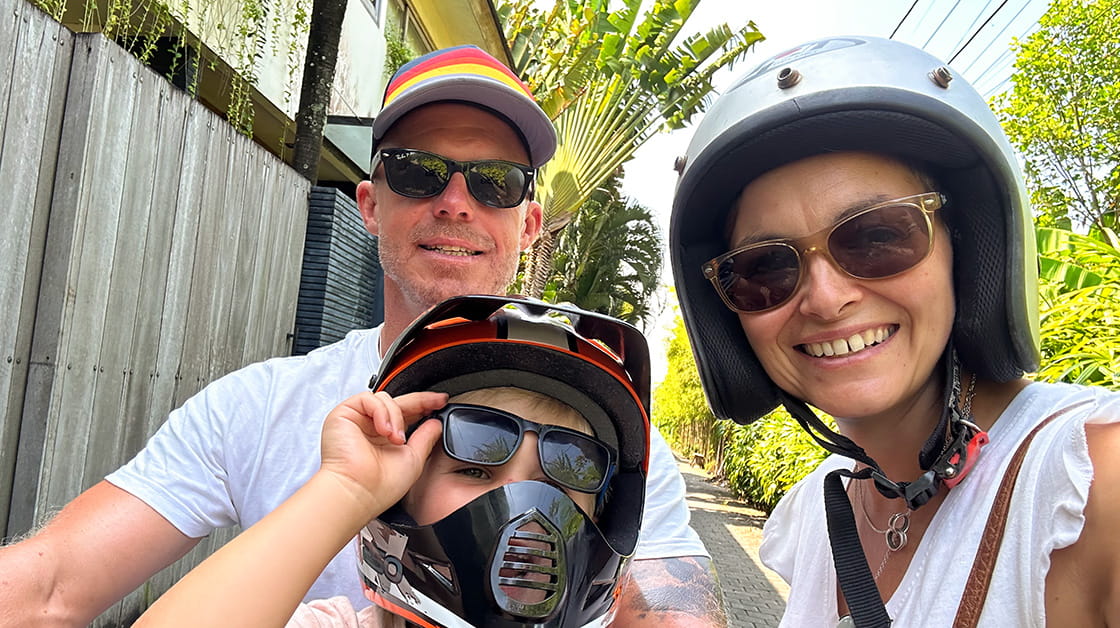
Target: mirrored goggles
{"type": "Point", "coordinates": [874, 243]}
{"type": "Point", "coordinates": [420, 174]}
{"type": "Point", "coordinates": [490, 437]}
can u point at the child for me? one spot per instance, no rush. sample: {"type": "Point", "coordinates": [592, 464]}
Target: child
{"type": "Point", "coordinates": [524, 515]}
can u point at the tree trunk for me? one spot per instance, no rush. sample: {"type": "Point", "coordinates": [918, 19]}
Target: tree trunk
{"type": "Point", "coordinates": [540, 264]}
{"type": "Point", "coordinates": [318, 78]}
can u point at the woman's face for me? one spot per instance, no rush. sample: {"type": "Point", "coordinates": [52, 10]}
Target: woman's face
{"type": "Point", "coordinates": [447, 484]}
{"type": "Point", "coordinates": [911, 312]}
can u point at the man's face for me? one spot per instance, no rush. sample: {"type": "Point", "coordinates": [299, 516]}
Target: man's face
{"type": "Point", "coordinates": [449, 244]}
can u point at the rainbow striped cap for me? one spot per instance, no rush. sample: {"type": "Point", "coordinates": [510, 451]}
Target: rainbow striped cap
{"type": "Point", "coordinates": [469, 75]}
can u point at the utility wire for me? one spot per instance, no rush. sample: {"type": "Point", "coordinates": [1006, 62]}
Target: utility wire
{"type": "Point", "coordinates": [908, 11]}
{"type": "Point", "coordinates": [958, 52]}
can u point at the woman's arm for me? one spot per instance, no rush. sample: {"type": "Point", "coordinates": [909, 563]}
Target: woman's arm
{"type": "Point", "coordinates": [259, 578]}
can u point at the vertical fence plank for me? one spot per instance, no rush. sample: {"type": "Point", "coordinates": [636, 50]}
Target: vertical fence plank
{"type": "Point", "coordinates": [249, 252]}
{"type": "Point", "coordinates": [162, 195]}
{"type": "Point", "coordinates": [35, 54]}
{"type": "Point", "coordinates": [195, 364]}
{"type": "Point", "coordinates": [105, 129]}
{"type": "Point", "coordinates": [290, 239]}
{"type": "Point", "coordinates": [197, 125]}
{"type": "Point", "coordinates": [136, 169]}
{"type": "Point", "coordinates": [50, 337]}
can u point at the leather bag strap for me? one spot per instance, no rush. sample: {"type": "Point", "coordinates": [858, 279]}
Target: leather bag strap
{"type": "Point", "coordinates": [980, 578]}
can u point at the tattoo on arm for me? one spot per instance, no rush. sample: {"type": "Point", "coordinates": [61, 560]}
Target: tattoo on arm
{"type": "Point", "coordinates": [672, 592]}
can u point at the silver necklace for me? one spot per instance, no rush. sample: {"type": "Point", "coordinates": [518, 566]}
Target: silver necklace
{"type": "Point", "coordinates": [895, 534]}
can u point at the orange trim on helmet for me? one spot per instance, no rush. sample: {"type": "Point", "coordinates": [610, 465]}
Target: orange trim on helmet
{"type": "Point", "coordinates": [401, 611]}
{"type": "Point", "coordinates": [469, 333]}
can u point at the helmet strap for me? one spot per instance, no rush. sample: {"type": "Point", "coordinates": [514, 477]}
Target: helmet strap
{"type": "Point", "coordinates": [947, 456]}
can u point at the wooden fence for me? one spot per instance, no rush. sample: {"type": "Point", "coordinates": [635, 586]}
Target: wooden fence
{"type": "Point", "coordinates": [146, 249]}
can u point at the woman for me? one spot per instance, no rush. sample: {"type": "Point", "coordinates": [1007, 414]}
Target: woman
{"type": "Point", "coordinates": [857, 213]}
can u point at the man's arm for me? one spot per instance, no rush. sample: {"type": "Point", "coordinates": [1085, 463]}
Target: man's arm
{"type": "Point", "coordinates": [101, 547]}
{"type": "Point", "coordinates": [367, 466]}
{"type": "Point", "coordinates": [671, 592]}
{"type": "Point", "coordinates": [670, 582]}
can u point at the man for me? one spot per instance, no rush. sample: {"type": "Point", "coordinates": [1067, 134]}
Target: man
{"type": "Point", "coordinates": [242, 445]}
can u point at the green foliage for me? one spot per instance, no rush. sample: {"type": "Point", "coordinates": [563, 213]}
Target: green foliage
{"type": "Point", "coordinates": [1080, 307]}
{"type": "Point", "coordinates": [610, 74]}
{"type": "Point", "coordinates": [609, 259]}
{"type": "Point", "coordinates": [1063, 113]}
{"type": "Point", "coordinates": [181, 38]}
{"type": "Point", "coordinates": [397, 51]}
{"type": "Point", "coordinates": [765, 459]}
{"type": "Point", "coordinates": [760, 461]}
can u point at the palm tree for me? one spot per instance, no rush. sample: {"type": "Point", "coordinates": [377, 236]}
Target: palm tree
{"type": "Point", "coordinates": [609, 258]}
{"type": "Point", "coordinates": [609, 81]}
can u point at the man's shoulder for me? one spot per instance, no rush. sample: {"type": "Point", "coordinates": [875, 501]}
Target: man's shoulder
{"type": "Point", "coordinates": [349, 363]}
{"type": "Point", "coordinates": [358, 346]}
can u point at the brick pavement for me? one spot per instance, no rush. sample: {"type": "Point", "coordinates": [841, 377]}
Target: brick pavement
{"type": "Point", "coordinates": [753, 595]}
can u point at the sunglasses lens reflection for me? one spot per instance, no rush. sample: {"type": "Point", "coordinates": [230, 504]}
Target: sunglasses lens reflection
{"type": "Point", "coordinates": [573, 461]}
{"type": "Point", "coordinates": [880, 243]}
{"type": "Point", "coordinates": [486, 437]}
{"type": "Point", "coordinates": [497, 183]}
{"type": "Point", "coordinates": [419, 174]}
{"type": "Point", "coordinates": [877, 243]}
{"type": "Point", "coordinates": [760, 278]}
{"type": "Point", "coordinates": [480, 436]}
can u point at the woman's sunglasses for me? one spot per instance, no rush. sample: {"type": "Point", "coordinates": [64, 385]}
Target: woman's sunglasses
{"type": "Point", "coordinates": [875, 243]}
{"type": "Point", "coordinates": [490, 437]}
{"type": "Point", "coordinates": [419, 174]}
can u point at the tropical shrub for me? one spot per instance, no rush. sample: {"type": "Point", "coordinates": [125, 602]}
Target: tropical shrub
{"type": "Point", "coordinates": [759, 462]}
{"type": "Point", "coordinates": [1079, 299]}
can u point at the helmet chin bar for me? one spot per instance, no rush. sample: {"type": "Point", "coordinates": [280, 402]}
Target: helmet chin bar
{"type": "Point", "coordinates": [520, 555]}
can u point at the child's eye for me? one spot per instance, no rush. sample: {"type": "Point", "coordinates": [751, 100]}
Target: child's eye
{"type": "Point", "coordinates": [477, 473]}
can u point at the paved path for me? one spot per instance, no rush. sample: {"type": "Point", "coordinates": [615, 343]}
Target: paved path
{"type": "Point", "coordinates": [731, 530]}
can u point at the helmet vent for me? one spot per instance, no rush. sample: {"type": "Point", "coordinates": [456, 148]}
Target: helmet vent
{"type": "Point", "coordinates": [527, 573]}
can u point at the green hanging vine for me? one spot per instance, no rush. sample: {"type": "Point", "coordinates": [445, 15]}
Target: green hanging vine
{"type": "Point", "coordinates": [182, 38]}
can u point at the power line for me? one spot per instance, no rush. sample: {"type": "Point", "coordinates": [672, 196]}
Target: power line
{"type": "Point", "coordinates": [937, 29]}
{"type": "Point", "coordinates": [895, 31]}
{"type": "Point", "coordinates": [975, 19]}
{"type": "Point", "coordinates": [1001, 5]}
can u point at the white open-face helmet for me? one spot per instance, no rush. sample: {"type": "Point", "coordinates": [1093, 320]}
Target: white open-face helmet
{"type": "Point", "coordinates": [862, 94]}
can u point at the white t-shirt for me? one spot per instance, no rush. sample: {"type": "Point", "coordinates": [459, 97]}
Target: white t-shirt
{"type": "Point", "coordinates": [233, 452]}
{"type": "Point", "coordinates": [1046, 514]}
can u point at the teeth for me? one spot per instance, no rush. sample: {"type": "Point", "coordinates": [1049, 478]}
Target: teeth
{"type": "Point", "coordinates": [842, 346]}
{"type": "Point", "coordinates": [451, 250]}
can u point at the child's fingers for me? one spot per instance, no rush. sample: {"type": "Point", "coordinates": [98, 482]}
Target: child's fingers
{"type": "Point", "coordinates": [424, 439]}
{"type": "Point", "coordinates": [382, 415]}
{"type": "Point", "coordinates": [419, 404]}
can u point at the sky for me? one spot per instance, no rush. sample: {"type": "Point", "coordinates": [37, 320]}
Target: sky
{"type": "Point", "coordinates": [975, 34]}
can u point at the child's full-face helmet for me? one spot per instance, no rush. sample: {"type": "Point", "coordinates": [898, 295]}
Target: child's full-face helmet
{"type": "Point", "coordinates": [858, 94]}
{"type": "Point", "coordinates": [523, 554]}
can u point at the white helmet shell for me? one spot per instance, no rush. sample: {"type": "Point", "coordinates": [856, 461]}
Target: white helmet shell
{"type": "Point", "coordinates": [866, 94]}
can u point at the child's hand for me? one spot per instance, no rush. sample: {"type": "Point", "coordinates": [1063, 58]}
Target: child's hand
{"type": "Point", "coordinates": [363, 444]}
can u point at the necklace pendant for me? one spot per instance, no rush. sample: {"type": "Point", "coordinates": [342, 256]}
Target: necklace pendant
{"type": "Point", "coordinates": [846, 622]}
{"type": "Point", "coordinates": [896, 540]}
{"type": "Point", "coordinates": [897, 527]}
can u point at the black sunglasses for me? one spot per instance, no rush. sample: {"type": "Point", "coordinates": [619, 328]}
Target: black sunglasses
{"type": "Point", "coordinates": [420, 174]}
{"type": "Point", "coordinates": [490, 437]}
{"type": "Point", "coordinates": [875, 243]}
